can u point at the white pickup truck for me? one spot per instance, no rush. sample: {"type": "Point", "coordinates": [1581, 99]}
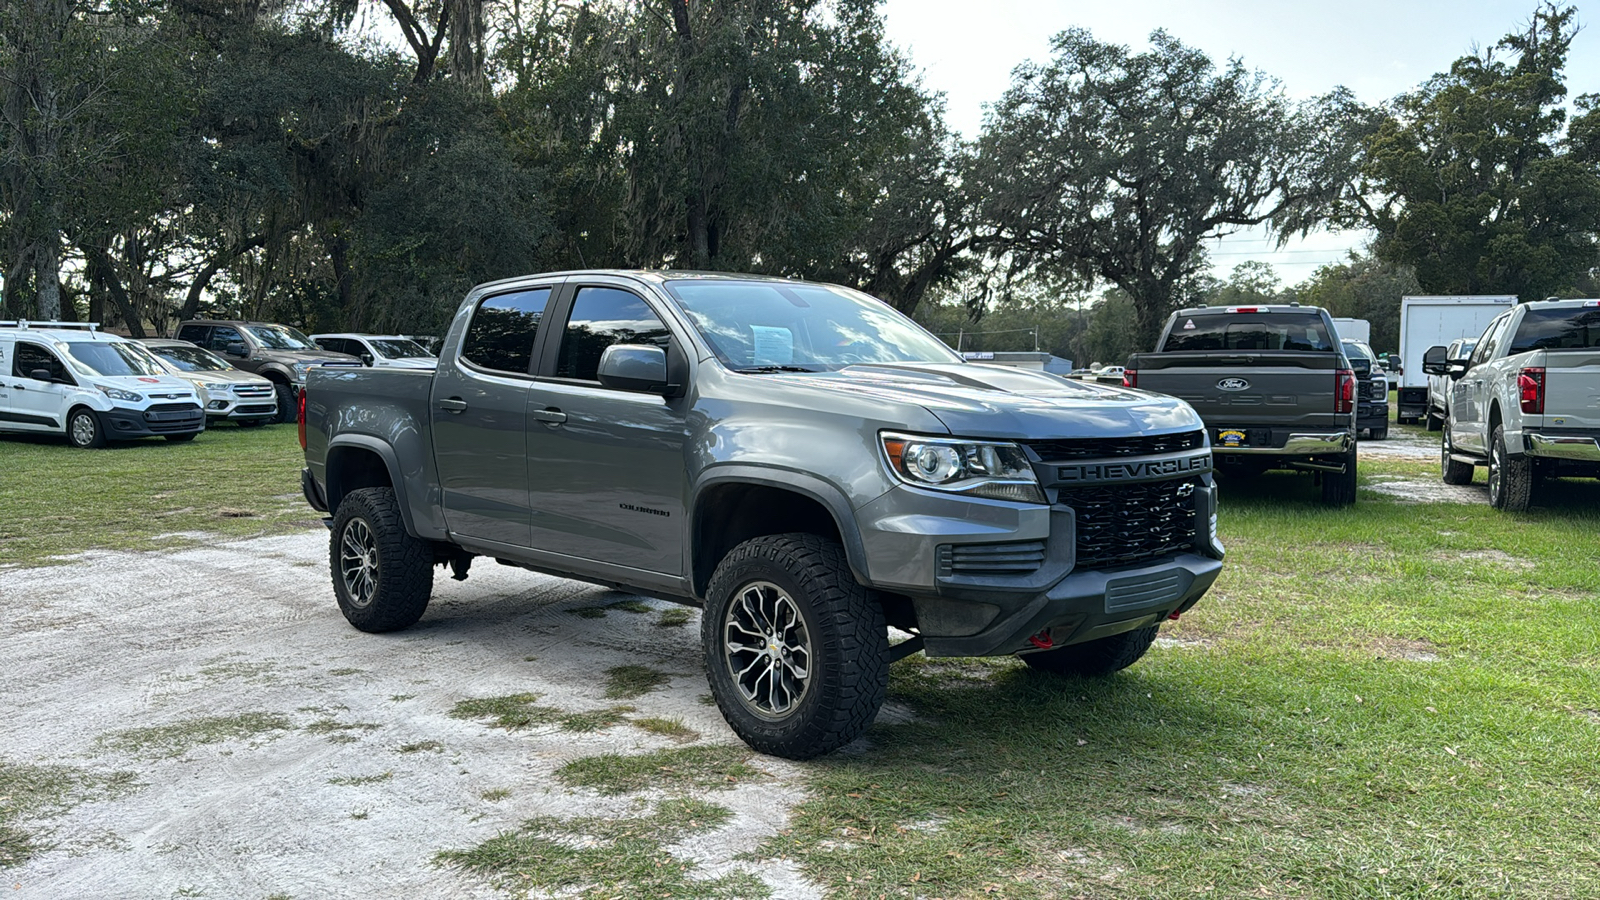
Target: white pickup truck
{"type": "Point", "coordinates": [1526, 403]}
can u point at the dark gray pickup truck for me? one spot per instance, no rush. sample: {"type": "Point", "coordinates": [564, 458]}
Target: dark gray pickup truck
{"type": "Point", "coordinates": [804, 463]}
{"type": "Point", "coordinates": [1272, 384]}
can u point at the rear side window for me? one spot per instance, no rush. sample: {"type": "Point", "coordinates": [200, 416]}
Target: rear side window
{"type": "Point", "coordinates": [195, 334]}
{"type": "Point", "coordinates": [1558, 329]}
{"type": "Point", "coordinates": [1249, 331]}
{"type": "Point", "coordinates": [601, 317]}
{"type": "Point", "coordinates": [503, 330]}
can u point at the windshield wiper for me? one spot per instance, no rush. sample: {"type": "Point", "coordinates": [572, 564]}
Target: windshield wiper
{"type": "Point", "coordinates": [764, 369]}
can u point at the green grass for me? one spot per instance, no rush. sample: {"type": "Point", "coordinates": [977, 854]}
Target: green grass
{"type": "Point", "coordinates": [510, 712]}
{"type": "Point", "coordinates": [595, 719]}
{"type": "Point", "coordinates": [177, 738]}
{"type": "Point", "coordinates": [674, 617]}
{"type": "Point", "coordinates": [596, 857]}
{"type": "Point", "coordinates": [681, 769]}
{"type": "Point", "coordinates": [231, 482]}
{"type": "Point", "coordinates": [672, 728]}
{"type": "Point", "coordinates": [29, 792]}
{"type": "Point", "coordinates": [357, 780]}
{"type": "Point", "coordinates": [1393, 700]}
{"type": "Point", "coordinates": [623, 682]}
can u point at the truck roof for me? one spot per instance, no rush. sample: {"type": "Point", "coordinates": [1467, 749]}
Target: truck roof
{"type": "Point", "coordinates": [654, 276]}
{"type": "Point", "coordinates": [1248, 308]}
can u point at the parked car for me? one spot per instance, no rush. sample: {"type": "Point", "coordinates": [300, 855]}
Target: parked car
{"type": "Point", "coordinates": [805, 463]}
{"type": "Point", "coordinates": [1273, 385]}
{"type": "Point", "coordinates": [278, 353]}
{"type": "Point", "coordinates": [1524, 403]}
{"type": "Point", "coordinates": [1372, 389]}
{"type": "Point", "coordinates": [74, 380]}
{"type": "Point", "coordinates": [379, 350]}
{"type": "Point", "coordinates": [227, 392]}
{"type": "Point", "coordinates": [1439, 385]}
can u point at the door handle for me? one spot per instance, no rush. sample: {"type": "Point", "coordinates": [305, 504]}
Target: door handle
{"type": "Point", "coordinates": [454, 404]}
{"type": "Point", "coordinates": [22, 387]}
{"type": "Point", "coordinates": [552, 416]}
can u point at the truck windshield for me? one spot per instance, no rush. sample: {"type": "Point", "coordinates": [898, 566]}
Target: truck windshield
{"type": "Point", "coordinates": [772, 327]}
{"type": "Point", "coordinates": [1572, 328]}
{"type": "Point", "coordinates": [281, 337]}
{"type": "Point", "coordinates": [1356, 348]}
{"type": "Point", "coordinates": [1248, 331]}
{"type": "Point", "coordinates": [397, 348]}
{"type": "Point", "coordinates": [112, 358]}
{"type": "Point", "coordinates": [191, 359]}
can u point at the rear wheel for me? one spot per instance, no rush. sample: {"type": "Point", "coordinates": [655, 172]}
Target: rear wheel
{"type": "Point", "coordinates": [1099, 657]}
{"type": "Point", "coordinates": [1510, 477]}
{"type": "Point", "coordinates": [83, 429]}
{"type": "Point", "coordinates": [382, 576]}
{"type": "Point", "coordinates": [797, 653]}
{"type": "Point", "coordinates": [1339, 488]}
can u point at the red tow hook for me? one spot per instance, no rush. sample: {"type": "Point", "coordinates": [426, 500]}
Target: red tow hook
{"type": "Point", "coordinates": [1174, 616]}
{"type": "Point", "coordinates": [1042, 640]}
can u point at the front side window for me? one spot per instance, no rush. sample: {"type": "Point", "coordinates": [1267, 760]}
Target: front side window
{"type": "Point", "coordinates": [222, 336]}
{"type": "Point", "coordinates": [503, 329]}
{"type": "Point", "coordinates": [32, 356]}
{"type": "Point", "coordinates": [280, 337]}
{"type": "Point", "coordinates": [766, 326]}
{"type": "Point", "coordinates": [602, 316]}
{"type": "Point", "coordinates": [113, 358]}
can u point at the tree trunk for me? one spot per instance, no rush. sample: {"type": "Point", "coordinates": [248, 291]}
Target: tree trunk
{"type": "Point", "coordinates": [103, 270]}
{"type": "Point", "coordinates": [47, 274]}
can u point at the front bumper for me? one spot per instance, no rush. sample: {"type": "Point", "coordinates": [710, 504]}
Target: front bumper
{"type": "Point", "coordinates": [163, 419]}
{"type": "Point", "coordinates": [1373, 415]}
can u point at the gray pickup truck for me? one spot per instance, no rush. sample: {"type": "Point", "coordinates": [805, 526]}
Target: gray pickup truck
{"type": "Point", "coordinates": [1274, 387]}
{"type": "Point", "coordinates": [805, 464]}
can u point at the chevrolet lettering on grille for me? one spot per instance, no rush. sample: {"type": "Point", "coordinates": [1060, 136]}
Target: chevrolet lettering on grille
{"type": "Point", "coordinates": [1139, 470]}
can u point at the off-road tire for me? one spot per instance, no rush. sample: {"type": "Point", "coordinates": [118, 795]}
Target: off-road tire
{"type": "Point", "coordinates": [181, 438]}
{"type": "Point", "coordinates": [91, 435]}
{"type": "Point", "coordinates": [1105, 656]}
{"type": "Point", "coordinates": [1510, 477]}
{"type": "Point", "coordinates": [1339, 489]}
{"type": "Point", "coordinates": [848, 669]}
{"type": "Point", "coordinates": [288, 409]}
{"type": "Point", "coordinates": [402, 575]}
{"type": "Point", "coordinates": [1379, 434]}
{"type": "Point", "coordinates": [1453, 472]}
{"type": "Point", "coordinates": [1434, 422]}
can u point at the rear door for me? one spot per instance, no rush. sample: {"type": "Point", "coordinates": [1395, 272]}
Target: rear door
{"type": "Point", "coordinates": [479, 416]}
{"type": "Point", "coordinates": [606, 469]}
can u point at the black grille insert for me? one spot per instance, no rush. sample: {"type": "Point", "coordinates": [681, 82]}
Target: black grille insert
{"type": "Point", "coordinates": [1014, 558]}
{"type": "Point", "coordinates": [1101, 448]}
{"type": "Point", "coordinates": [1125, 523]}
{"type": "Point", "coordinates": [173, 417]}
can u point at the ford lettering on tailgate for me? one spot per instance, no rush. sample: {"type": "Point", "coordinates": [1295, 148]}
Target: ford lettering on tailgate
{"type": "Point", "coordinates": [1140, 470]}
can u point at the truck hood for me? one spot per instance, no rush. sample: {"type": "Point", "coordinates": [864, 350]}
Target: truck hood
{"type": "Point", "coordinates": [975, 400]}
{"type": "Point", "coordinates": [156, 387]}
{"type": "Point", "coordinates": [231, 376]}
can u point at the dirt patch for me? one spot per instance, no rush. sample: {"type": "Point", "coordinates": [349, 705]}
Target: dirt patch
{"type": "Point", "coordinates": [1183, 642]}
{"type": "Point", "coordinates": [1499, 558]}
{"type": "Point", "coordinates": [1408, 650]}
{"type": "Point", "coordinates": [209, 673]}
{"type": "Point", "coordinates": [1400, 444]}
{"type": "Point", "coordinates": [1418, 490]}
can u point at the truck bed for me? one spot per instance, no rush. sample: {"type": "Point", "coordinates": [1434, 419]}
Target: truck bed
{"type": "Point", "coordinates": [1282, 390]}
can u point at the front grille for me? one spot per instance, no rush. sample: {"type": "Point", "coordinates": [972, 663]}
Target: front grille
{"type": "Point", "coordinates": [1014, 558]}
{"type": "Point", "coordinates": [173, 417]}
{"type": "Point", "coordinates": [1364, 390]}
{"type": "Point", "coordinates": [254, 391]}
{"type": "Point", "coordinates": [1125, 523]}
{"type": "Point", "coordinates": [1100, 448]}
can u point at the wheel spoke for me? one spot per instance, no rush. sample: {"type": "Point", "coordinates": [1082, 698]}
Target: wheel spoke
{"type": "Point", "coordinates": [767, 649]}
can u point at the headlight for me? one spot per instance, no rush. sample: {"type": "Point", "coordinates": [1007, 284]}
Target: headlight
{"type": "Point", "coordinates": [120, 394]}
{"type": "Point", "coordinates": [997, 471]}
{"type": "Point", "coordinates": [300, 369]}
{"type": "Point", "coordinates": [221, 387]}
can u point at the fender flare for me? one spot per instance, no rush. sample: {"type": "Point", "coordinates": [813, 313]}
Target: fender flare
{"type": "Point", "coordinates": [810, 486]}
{"type": "Point", "coordinates": [390, 463]}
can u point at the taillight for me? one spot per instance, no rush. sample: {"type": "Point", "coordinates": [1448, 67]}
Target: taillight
{"type": "Point", "coordinates": [1530, 385]}
{"type": "Point", "coordinates": [301, 417]}
{"type": "Point", "coordinates": [1344, 391]}
{"type": "Point", "coordinates": [1130, 378]}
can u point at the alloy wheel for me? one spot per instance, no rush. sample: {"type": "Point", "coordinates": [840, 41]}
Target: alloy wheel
{"type": "Point", "coordinates": [358, 563]}
{"type": "Point", "coordinates": [767, 649]}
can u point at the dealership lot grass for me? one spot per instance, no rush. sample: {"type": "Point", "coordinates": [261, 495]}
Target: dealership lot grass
{"type": "Point", "coordinates": [150, 494]}
{"type": "Point", "coordinates": [1395, 700]}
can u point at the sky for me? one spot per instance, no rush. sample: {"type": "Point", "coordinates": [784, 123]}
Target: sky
{"type": "Point", "coordinates": [1376, 49]}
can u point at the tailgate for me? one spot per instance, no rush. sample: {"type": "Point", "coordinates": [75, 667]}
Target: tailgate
{"type": "Point", "coordinates": [1285, 389]}
{"type": "Point", "coordinates": [1572, 388]}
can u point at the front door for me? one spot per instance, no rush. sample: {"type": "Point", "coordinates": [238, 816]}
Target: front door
{"type": "Point", "coordinates": [606, 468]}
{"type": "Point", "coordinates": [37, 405]}
{"type": "Point", "coordinates": [479, 415]}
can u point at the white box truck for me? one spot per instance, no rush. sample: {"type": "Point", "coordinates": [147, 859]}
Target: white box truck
{"type": "Point", "coordinates": [1353, 329]}
{"type": "Point", "coordinates": [1428, 322]}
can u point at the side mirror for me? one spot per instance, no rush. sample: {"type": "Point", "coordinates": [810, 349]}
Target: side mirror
{"type": "Point", "coordinates": [634, 367]}
{"type": "Point", "coordinates": [40, 375]}
{"type": "Point", "coordinates": [366, 359]}
{"type": "Point", "coordinates": [237, 348]}
{"type": "Point", "coordinates": [1434, 362]}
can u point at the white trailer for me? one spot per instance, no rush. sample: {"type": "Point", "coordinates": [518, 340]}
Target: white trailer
{"type": "Point", "coordinates": [1353, 329]}
{"type": "Point", "coordinates": [1428, 322]}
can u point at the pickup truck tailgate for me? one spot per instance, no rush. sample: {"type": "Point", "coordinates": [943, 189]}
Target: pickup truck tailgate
{"type": "Point", "coordinates": [1572, 387]}
{"type": "Point", "coordinates": [1286, 388]}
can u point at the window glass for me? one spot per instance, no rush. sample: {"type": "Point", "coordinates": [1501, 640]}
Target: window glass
{"type": "Point", "coordinates": [280, 337]}
{"type": "Point", "coordinates": [1571, 328]}
{"type": "Point", "coordinates": [191, 359]}
{"type": "Point", "coordinates": [32, 356]}
{"type": "Point", "coordinates": [767, 325]}
{"type": "Point", "coordinates": [397, 348]}
{"type": "Point", "coordinates": [603, 316]}
{"type": "Point", "coordinates": [503, 330]}
{"type": "Point", "coordinates": [1354, 348]}
{"type": "Point", "coordinates": [113, 358]}
{"type": "Point", "coordinates": [198, 334]}
{"type": "Point", "coordinates": [222, 336]}
{"type": "Point", "coordinates": [1486, 344]}
{"type": "Point", "coordinates": [1249, 331]}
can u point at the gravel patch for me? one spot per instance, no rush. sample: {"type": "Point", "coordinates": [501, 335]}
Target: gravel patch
{"type": "Point", "coordinates": [357, 774]}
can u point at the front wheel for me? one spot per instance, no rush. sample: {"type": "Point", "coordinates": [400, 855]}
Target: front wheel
{"type": "Point", "coordinates": [382, 576]}
{"type": "Point", "coordinates": [288, 410]}
{"type": "Point", "coordinates": [83, 429]}
{"type": "Point", "coordinates": [797, 652]}
{"type": "Point", "coordinates": [1510, 477]}
{"type": "Point", "coordinates": [1453, 472]}
{"type": "Point", "coordinates": [1105, 656]}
